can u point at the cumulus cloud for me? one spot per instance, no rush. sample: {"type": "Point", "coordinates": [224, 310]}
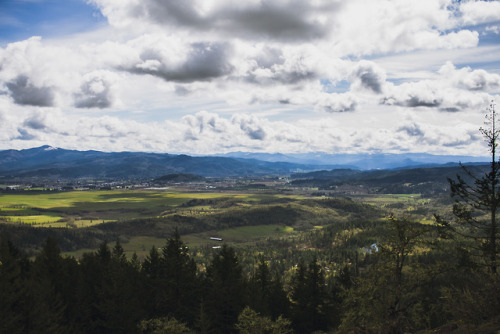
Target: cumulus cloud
{"type": "Point", "coordinates": [23, 91]}
{"type": "Point", "coordinates": [369, 27]}
{"type": "Point", "coordinates": [494, 29]}
{"type": "Point", "coordinates": [477, 12]}
{"type": "Point", "coordinates": [203, 122]}
{"type": "Point", "coordinates": [474, 80]}
{"type": "Point", "coordinates": [452, 90]}
{"type": "Point", "coordinates": [291, 71]}
{"type": "Point", "coordinates": [368, 75]}
{"type": "Point", "coordinates": [250, 126]}
{"type": "Point", "coordinates": [195, 62]}
{"type": "Point", "coordinates": [334, 103]}
{"type": "Point", "coordinates": [170, 59]}
{"type": "Point", "coordinates": [35, 122]}
{"type": "Point", "coordinates": [412, 130]}
{"type": "Point", "coordinates": [285, 19]}
{"type": "Point", "coordinates": [94, 92]}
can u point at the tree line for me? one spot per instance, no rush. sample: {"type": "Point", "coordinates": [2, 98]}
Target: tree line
{"type": "Point", "coordinates": [104, 292]}
{"type": "Point", "coordinates": [412, 281]}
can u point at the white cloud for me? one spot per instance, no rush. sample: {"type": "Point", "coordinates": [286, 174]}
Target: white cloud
{"type": "Point", "coordinates": [284, 75]}
{"type": "Point", "coordinates": [95, 91]}
{"type": "Point", "coordinates": [477, 12]}
{"type": "Point", "coordinates": [452, 90]}
{"type": "Point", "coordinates": [474, 80]}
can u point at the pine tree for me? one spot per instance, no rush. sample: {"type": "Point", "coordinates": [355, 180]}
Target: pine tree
{"type": "Point", "coordinates": [266, 294]}
{"type": "Point", "coordinates": [475, 297]}
{"type": "Point", "coordinates": [13, 290]}
{"type": "Point", "coordinates": [180, 281]}
{"type": "Point", "coordinates": [54, 281]}
{"type": "Point", "coordinates": [223, 300]}
{"type": "Point", "coordinates": [309, 298]}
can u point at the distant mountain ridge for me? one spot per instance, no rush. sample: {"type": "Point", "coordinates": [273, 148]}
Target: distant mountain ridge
{"type": "Point", "coordinates": [361, 161]}
{"type": "Point", "coordinates": [50, 162]}
{"type": "Point", "coordinates": [47, 161]}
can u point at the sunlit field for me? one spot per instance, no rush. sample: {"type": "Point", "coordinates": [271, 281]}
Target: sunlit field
{"type": "Point", "coordinates": [88, 208]}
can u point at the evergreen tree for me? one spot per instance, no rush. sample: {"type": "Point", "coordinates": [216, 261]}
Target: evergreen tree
{"type": "Point", "coordinates": [13, 289]}
{"type": "Point", "coordinates": [180, 281]}
{"type": "Point", "coordinates": [224, 297]}
{"type": "Point", "coordinates": [476, 231]}
{"type": "Point", "coordinates": [54, 282]}
{"type": "Point", "coordinates": [120, 305]}
{"type": "Point", "coordinates": [387, 294]}
{"type": "Point", "coordinates": [266, 294]}
{"type": "Point", "coordinates": [477, 202]}
{"type": "Point", "coordinates": [309, 298]}
{"type": "Point", "coordinates": [152, 274]}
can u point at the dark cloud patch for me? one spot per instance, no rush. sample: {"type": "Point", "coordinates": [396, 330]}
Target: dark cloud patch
{"type": "Point", "coordinates": [371, 81]}
{"type": "Point", "coordinates": [288, 20]}
{"type": "Point", "coordinates": [416, 101]}
{"type": "Point", "coordinates": [181, 90]}
{"type": "Point", "coordinates": [35, 123]}
{"type": "Point", "coordinates": [450, 109]}
{"type": "Point", "coordinates": [294, 77]}
{"type": "Point", "coordinates": [269, 56]}
{"type": "Point", "coordinates": [24, 92]}
{"type": "Point", "coordinates": [25, 135]}
{"type": "Point", "coordinates": [413, 101]}
{"type": "Point", "coordinates": [369, 77]}
{"type": "Point", "coordinates": [252, 130]}
{"type": "Point", "coordinates": [256, 134]}
{"type": "Point", "coordinates": [412, 130]}
{"type": "Point", "coordinates": [94, 93]}
{"type": "Point", "coordinates": [204, 61]}
{"type": "Point", "coordinates": [167, 12]}
{"type": "Point", "coordinates": [346, 106]}
{"type": "Point", "coordinates": [457, 143]}
{"type": "Point", "coordinates": [273, 21]}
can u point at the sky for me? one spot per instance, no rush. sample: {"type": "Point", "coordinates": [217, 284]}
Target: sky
{"type": "Point", "coordinates": [216, 76]}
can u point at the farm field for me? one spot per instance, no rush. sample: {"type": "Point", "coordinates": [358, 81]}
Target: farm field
{"type": "Point", "coordinates": [142, 219]}
{"type": "Point", "coordinates": [88, 208]}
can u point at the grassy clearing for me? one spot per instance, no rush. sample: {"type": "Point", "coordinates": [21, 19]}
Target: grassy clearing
{"type": "Point", "coordinates": [141, 245]}
{"type": "Point", "coordinates": [393, 198]}
{"type": "Point", "coordinates": [251, 232]}
{"type": "Point", "coordinates": [87, 208]}
{"type": "Point", "coordinates": [37, 220]}
{"type": "Point", "coordinates": [237, 235]}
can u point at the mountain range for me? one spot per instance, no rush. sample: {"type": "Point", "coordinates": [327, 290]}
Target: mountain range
{"type": "Point", "coordinates": [47, 161]}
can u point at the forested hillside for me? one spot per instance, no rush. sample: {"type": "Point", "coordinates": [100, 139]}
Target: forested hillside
{"type": "Point", "coordinates": [411, 280]}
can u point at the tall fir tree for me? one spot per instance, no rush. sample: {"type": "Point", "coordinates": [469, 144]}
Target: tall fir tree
{"type": "Point", "coordinates": [477, 202]}
{"type": "Point", "coordinates": [182, 290]}
{"type": "Point", "coordinates": [224, 296]}
{"type": "Point", "coordinates": [309, 298]}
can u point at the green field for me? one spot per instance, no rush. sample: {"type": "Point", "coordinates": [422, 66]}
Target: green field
{"type": "Point", "coordinates": [142, 219]}
{"type": "Point", "coordinates": [86, 208]}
